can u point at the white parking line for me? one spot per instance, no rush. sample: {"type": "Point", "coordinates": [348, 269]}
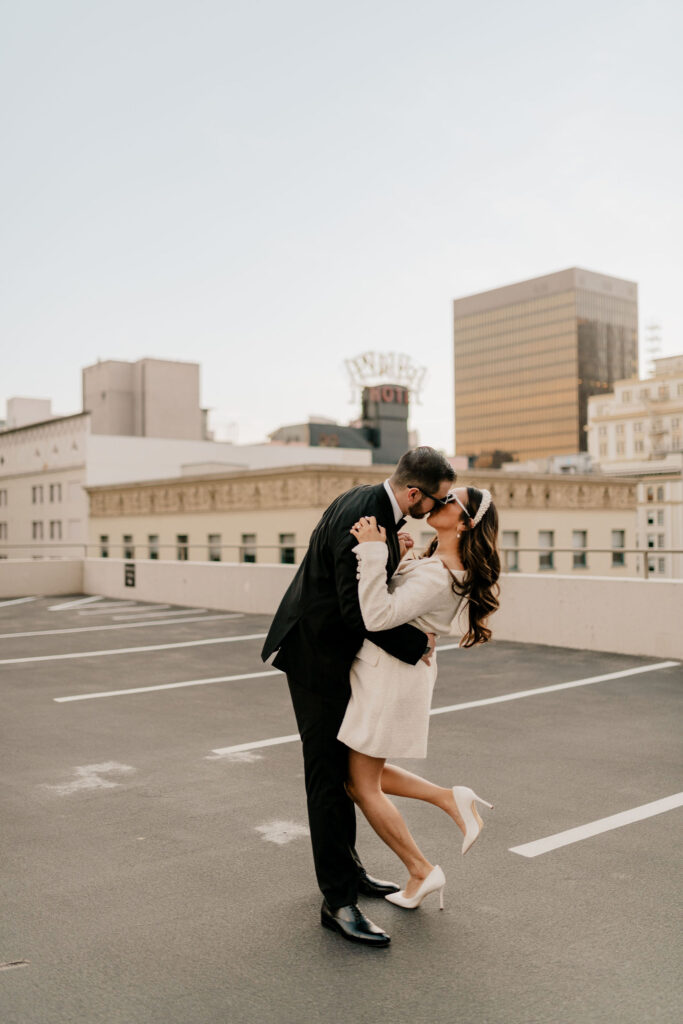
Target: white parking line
{"type": "Point", "coordinates": [135, 650]}
{"type": "Point", "coordinates": [518, 694]}
{"type": "Point", "coordinates": [17, 600]}
{"type": "Point", "coordinates": [142, 613]}
{"type": "Point", "coordinates": [256, 744]}
{"type": "Point", "coordinates": [594, 828]}
{"type": "Point", "coordinates": [124, 625]}
{"type": "Point", "coordinates": [110, 608]}
{"type": "Point", "coordinates": [73, 604]}
{"type": "Point", "coordinates": [168, 686]}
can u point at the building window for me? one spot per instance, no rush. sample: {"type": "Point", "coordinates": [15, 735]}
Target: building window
{"type": "Point", "coordinates": [626, 396]}
{"type": "Point", "coordinates": [3, 531]}
{"type": "Point", "coordinates": [644, 392]}
{"type": "Point", "coordinates": [618, 541]}
{"type": "Point", "coordinates": [660, 517]}
{"type": "Point", "coordinates": [37, 494]}
{"type": "Point", "coordinates": [55, 492]}
{"type": "Point", "coordinates": [651, 565]}
{"type": "Point", "coordinates": [650, 540]}
{"type": "Point", "coordinates": [650, 494]}
{"type": "Point", "coordinates": [660, 494]}
{"type": "Point", "coordinates": [3, 496]}
{"type": "Point", "coordinates": [638, 427]}
{"type": "Point", "coordinates": [214, 547]}
{"type": "Point", "coordinates": [620, 448]}
{"type": "Point", "coordinates": [153, 546]}
{"type": "Point", "coordinates": [579, 541]}
{"type": "Point", "coordinates": [55, 529]}
{"type": "Point", "coordinates": [651, 517]}
{"type": "Point", "coordinates": [182, 546]}
{"type": "Point", "coordinates": [104, 545]}
{"type": "Point", "coordinates": [660, 540]}
{"type": "Point", "coordinates": [36, 530]}
{"type": "Point", "coordinates": [287, 548]}
{"type": "Point", "coordinates": [248, 548]}
{"type": "Point", "coordinates": [661, 564]}
{"type": "Point", "coordinates": [546, 539]}
{"type": "Point", "coordinates": [602, 431]}
{"type": "Point", "coordinates": [675, 422]}
{"type": "Point", "coordinates": [639, 447]}
{"type": "Point", "coordinates": [511, 555]}
{"type": "Point", "coordinates": [620, 428]}
{"type": "Point", "coordinates": [603, 449]}
{"type": "Point", "coordinates": [663, 391]}
{"type": "Point", "coordinates": [128, 549]}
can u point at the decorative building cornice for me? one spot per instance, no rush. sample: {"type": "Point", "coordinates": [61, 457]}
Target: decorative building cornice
{"type": "Point", "coordinates": [303, 487]}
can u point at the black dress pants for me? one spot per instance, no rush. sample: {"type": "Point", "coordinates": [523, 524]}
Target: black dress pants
{"type": "Point", "coordinates": [331, 812]}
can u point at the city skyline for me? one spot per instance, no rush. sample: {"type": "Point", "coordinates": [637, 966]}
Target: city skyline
{"type": "Point", "coordinates": [269, 192]}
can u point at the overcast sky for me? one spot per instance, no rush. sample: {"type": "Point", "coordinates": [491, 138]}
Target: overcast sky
{"type": "Point", "coordinates": [269, 187]}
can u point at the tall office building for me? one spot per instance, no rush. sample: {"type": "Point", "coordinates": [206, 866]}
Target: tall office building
{"type": "Point", "coordinates": [529, 355]}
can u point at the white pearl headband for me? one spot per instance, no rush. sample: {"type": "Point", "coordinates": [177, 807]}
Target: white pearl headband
{"type": "Point", "coordinates": [481, 511]}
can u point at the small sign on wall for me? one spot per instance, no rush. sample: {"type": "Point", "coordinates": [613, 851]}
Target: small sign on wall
{"type": "Point", "coordinates": [129, 574]}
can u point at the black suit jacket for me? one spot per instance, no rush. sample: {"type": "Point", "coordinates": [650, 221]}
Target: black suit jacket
{"type": "Point", "coordinates": [318, 627]}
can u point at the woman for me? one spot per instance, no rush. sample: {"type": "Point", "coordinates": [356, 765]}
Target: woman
{"type": "Point", "coordinates": [388, 714]}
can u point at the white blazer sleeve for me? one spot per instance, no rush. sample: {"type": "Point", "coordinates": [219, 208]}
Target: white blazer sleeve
{"type": "Point", "coordinates": [422, 592]}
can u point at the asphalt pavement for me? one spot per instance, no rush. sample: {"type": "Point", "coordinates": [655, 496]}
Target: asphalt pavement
{"type": "Point", "coordinates": [154, 874]}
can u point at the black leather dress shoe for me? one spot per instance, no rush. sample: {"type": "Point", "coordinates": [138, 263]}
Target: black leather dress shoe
{"type": "Point", "coordinates": [369, 886]}
{"type": "Point", "coordinates": [353, 925]}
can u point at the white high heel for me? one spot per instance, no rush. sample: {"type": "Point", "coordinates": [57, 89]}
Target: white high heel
{"type": "Point", "coordinates": [435, 881]}
{"type": "Point", "coordinates": [465, 799]}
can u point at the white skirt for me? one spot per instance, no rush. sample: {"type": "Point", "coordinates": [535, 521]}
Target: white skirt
{"type": "Point", "coordinates": [388, 714]}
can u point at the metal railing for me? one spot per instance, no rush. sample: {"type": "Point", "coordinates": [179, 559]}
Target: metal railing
{"type": "Point", "coordinates": [289, 554]}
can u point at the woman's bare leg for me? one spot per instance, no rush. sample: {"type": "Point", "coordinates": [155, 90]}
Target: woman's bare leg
{"type": "Point", "coordinates": [365, 790]}
{"type": "Point", "coordinates": [399, 782]}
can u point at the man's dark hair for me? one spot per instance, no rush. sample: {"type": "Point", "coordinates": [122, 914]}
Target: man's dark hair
{"type": "Point", "coordinates": [423, 467]}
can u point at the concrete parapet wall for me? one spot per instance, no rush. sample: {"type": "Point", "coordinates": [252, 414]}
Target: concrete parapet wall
{"type": "Point", "coordinates": [31, 577]}
{"type": "Point", "coordinates": [227, 586]}
{"type": "Point", "coordinates": [627, 616]}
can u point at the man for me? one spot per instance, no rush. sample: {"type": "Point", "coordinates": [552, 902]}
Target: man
{"type": "Point", "coordinates": [317, 631]}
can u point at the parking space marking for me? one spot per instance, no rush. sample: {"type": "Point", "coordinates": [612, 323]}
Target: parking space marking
{"type": "Point", "coordinates": [110, 608]}
{"type": "Point", "coordinates": [595, 828]}
{"type": "Point", "coordinates": [167, 686]}
{"type": "Point", "coordinates": [124, 625]}
{"type": "Point", "coordinates": [143, 613]}
{"type": "Point", "coordinates": [17, 600]}
{"type": "Point", "coordinates": [134, 650]}
{"type": "Point", "coordinates": [518, 694]}
{"type": "Point", "coordinates": [65, 605]}
{"type": "Point", "coordinates": [257, 744]}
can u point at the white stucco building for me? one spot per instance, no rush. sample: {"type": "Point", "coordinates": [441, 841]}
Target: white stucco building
{"type": "Point", "coordinates": [45, 466]}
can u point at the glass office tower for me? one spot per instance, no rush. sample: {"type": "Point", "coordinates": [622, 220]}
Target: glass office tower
{"type": "Point", "coordinates": [528, 355]}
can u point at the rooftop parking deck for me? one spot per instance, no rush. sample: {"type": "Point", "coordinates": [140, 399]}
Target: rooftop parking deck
{"type": "Point", "coordinates": [157, 865]}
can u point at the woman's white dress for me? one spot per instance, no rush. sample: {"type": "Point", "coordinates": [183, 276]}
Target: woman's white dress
{"type": "Point", "coordinates": [388, 714]}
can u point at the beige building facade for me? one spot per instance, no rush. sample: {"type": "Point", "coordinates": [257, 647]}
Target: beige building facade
{"type": "Point", "coordinates": [547, 523]}
{"type": "Point", "coordinates": [528, 356]}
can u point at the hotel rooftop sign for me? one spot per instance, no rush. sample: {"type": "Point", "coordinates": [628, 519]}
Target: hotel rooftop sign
{"type": "Point", "coordinates": [385, 368]}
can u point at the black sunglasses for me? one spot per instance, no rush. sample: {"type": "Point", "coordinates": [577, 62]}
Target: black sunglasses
{"type": "Point", "coordinates": [437, 501]}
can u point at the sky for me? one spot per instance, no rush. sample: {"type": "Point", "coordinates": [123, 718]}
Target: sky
{"type": "Point", "coordinates": [270, 188]}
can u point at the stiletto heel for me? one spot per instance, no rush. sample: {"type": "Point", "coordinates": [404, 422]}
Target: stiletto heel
{"type": "Point", "coordinates": [434, 882]}
{"type": "Point", "coordinates": [465, 800]}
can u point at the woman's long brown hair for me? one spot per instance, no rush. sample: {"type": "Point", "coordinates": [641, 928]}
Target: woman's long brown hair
{"type": "Point", "coordinates": [479, 555]}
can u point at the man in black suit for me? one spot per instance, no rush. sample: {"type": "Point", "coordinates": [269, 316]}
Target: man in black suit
{"type": "Point", "coordinates": [317, 631]}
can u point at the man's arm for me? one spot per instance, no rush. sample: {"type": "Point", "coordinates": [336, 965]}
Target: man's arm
{"type": "Point", "coordinates": [407, 643]}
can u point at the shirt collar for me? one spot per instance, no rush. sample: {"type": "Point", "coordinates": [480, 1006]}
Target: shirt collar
{"type": "Point", "coordinates": [398, 515]}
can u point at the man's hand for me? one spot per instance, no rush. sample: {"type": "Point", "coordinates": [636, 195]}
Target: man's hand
{"type": "Point", "coordinates": [427, 656]}
{"type": "Point", "coordinates": [366, 529]}
{"type": "Point", "coordinates": [405, 542]}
